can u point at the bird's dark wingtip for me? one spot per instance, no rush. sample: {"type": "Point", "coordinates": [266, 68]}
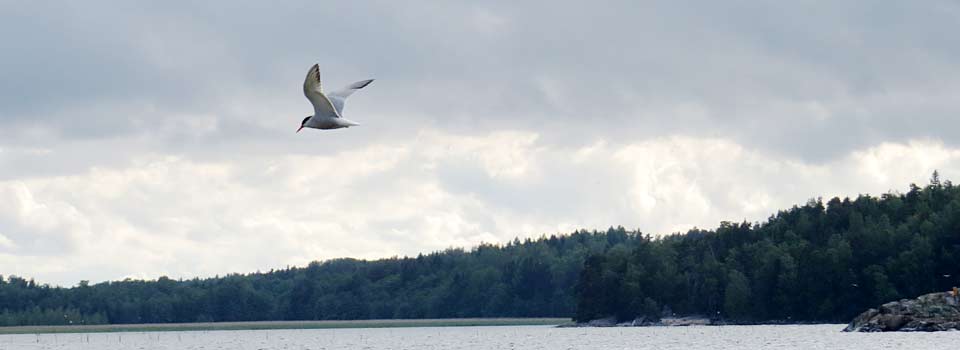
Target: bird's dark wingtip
{"type": "Point", "coordinates": [316, 71]}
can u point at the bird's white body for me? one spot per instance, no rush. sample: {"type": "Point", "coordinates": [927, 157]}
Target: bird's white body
{"type": "Point", "coordinates": [326, 122]}
{"type": "Point", "coordinates": [327, 108]}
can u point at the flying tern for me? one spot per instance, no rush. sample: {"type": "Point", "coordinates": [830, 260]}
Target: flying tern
{"type": "Point", "coordinates": [327, 108]}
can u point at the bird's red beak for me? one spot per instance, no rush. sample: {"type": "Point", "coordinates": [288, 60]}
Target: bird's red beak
{"type": "Point", "coordinates": [300, 128]}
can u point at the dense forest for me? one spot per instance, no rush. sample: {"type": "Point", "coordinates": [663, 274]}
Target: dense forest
{"type": "Point", "coordinates": [816, 262]}
{"type": "Point", "coordinates": [531, 278]}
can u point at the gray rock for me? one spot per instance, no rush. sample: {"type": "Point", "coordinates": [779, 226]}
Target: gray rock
{"type": "Point", "coordinates": [685, 321]}
{"type": "Point", "coordinates": [603, 322]}
{"type": "Point", "coordinates": [927, 313]}
{"type": "Point", "coordinates": [641, 321]}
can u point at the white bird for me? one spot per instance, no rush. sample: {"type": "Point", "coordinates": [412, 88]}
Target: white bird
{"type": "Point", "coordinates": [327, 108]}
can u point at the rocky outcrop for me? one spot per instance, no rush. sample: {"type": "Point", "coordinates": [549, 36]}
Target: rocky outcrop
{"type": "Point", "coordinates": [685, 321]}
{"type": "Point", "coordinates": [603, 322]}
{"type": "Point", "coordinates": [645, 322]}
{"type": "Point", "coordinates": [930, 312]}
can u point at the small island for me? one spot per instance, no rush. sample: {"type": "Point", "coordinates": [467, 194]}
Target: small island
{"type": "Point", "coordinates": [927, 313]}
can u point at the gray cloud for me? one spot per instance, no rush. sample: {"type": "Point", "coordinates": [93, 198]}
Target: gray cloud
{"type": "Point", "coordinates": [757, 72]}
{"type": "Point", "coordinates": [485, 121]}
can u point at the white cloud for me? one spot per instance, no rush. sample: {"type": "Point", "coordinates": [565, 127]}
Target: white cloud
{"type": "Point", "coordinates": [502, 154]}
{"type": "Point", "coordinates": [891, 162]}
{"type": "Point", "coordinates": [6, 243]}
{"type": "Point", "coordinates": [182, 217]}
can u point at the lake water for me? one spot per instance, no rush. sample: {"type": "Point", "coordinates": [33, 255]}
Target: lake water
{"type": "Point", "coordinates": [489, 338]}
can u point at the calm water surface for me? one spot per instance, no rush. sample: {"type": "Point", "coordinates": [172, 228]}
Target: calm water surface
{"type": "Point", "coordinates": [509, 337]}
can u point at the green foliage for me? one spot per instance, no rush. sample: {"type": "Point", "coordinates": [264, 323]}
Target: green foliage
{"type": "Point", "coordinates": [810, 263]}
{"type": "Point", "coordinates": [530, 278]}
{"type": "Point", "coordinates": [737, 295]}
{"type": "Point", "coordinates": [816, 262]}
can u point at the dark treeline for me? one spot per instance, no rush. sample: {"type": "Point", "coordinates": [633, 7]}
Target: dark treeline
{"type": "Point", "coordinates": [817, 262]}
{"type": "Point", "coordinates": [532, 278]}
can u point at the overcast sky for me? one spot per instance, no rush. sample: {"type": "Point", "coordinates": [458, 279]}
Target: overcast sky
{"type": "Point", "coordinates": [140, 139]}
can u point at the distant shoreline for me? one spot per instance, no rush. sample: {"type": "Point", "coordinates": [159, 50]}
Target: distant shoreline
{"type": "Point", "coordinates": [681, 321]}
{"type": "Point", "coordinates": [265, 325]}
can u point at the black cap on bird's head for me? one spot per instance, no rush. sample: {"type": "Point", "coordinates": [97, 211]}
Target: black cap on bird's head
{"type": "Point", "coordinates": [303, 123]}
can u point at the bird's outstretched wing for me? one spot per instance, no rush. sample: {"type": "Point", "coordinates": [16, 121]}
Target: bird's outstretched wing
{"type": "Point", "coordinates": [340, 96]}
{"type": "Point", "coordinates": [322, 107]}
